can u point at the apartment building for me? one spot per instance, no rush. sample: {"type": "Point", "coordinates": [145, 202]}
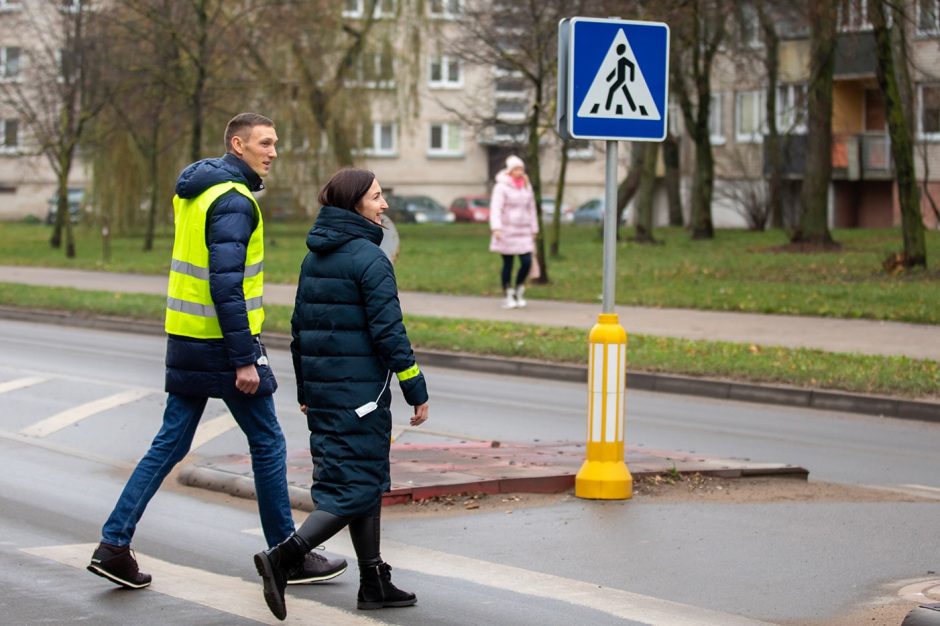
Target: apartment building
{"type": "Point", "coordinates": [863, 192]}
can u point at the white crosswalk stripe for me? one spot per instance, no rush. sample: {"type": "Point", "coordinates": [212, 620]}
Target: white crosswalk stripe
{"type": "Point", "coordinates": [215, 591]}
{"type": "Point", "coordinates": [615, 602]}
{"type": "Point", "coordinates": [76, 414]}
{"type": "Point", "coordinates": [20, 383]}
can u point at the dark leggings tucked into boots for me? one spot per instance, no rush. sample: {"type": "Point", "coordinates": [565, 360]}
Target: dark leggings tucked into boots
{"type": "Point", "coordinates": [525, 264]}
{"type": "Point", "coordinates": [364, 531]}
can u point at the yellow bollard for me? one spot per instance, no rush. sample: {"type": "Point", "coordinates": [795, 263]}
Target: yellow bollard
{"type": "Point", "coordinates": [604, 474]}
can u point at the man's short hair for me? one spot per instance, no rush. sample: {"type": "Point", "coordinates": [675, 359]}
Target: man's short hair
{"type": "Point", "coordinates": [242, 124]}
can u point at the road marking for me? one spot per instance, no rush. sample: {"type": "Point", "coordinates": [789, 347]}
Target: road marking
{"type": "Point", "coordinates": [216, 591]}
{"type": "Point", "coordinates": [620, 604]}
{"type": "Point", "coordinates": [71, 416]}
{"type": "Point", "coordinates": [59, 448]}
{"type": "Point", "coordinates": [210, 429]}
{"type": "Point", "coordinates": [916, 491]}
{"type": "Point", "coordinates": [19, 383]}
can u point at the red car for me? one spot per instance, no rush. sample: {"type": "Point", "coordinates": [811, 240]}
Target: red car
{"type": "Point", "coordinates": [471, 208]}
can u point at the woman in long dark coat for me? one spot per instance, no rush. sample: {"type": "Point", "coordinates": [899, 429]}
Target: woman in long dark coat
{"type": "Point", "coordinates": [348, 343]}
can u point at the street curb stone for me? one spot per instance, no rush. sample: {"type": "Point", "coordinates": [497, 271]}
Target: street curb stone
{"type": "Point", "coordinates": [646, 381]}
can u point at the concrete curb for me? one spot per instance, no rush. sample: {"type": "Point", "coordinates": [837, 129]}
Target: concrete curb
{"type": "Point", "coordinates": [663, 383]}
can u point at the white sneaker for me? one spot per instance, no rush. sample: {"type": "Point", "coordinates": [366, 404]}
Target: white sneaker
{"type": "Point", "coordinates": [510, 302]}
{"type": "Point", "coordinates": [520, 300]}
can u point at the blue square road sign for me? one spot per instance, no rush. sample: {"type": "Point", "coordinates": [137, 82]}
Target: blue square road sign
{"type": "Point", "coordinates": [616, 75]}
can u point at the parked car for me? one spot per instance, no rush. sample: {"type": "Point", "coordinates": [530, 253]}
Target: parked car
{"type": "Point", "coordinates": [471, 209]}
{"type": "Point", "coordinates": [548, 211]}
{"type": "Point", "coordinates": [76, 196]}
{"type": "Point", "coordinates": [419, 209]}
{"type": "Point", "coordinates": [592, 212]}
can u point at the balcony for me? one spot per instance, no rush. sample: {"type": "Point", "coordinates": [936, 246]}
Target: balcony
{"type": "Point", "coordinates": [866, 156]}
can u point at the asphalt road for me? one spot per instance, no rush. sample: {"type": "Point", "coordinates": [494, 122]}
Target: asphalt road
{"type": "Point", "coordinates": [77, 407]}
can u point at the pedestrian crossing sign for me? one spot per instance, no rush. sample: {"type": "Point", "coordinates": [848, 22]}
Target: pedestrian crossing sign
{"type": "Point", "coordinates": [616, 75]}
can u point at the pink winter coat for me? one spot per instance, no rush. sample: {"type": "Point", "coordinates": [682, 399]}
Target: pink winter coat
{"type": "Point", "coordinates": [512, 213]}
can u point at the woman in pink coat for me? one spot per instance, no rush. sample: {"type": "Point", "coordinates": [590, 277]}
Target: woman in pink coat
{"type": "Point", "coordinates": [514, 225]}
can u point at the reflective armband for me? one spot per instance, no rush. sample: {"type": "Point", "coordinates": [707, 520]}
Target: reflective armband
{"type": "Point", "coordinates": [411, 372]}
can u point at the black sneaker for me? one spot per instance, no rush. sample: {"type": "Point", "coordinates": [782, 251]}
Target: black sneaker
{"type": "Point", "coordinates": [316, 568]}
{"type": "Point", "coordinates": [117, 564]}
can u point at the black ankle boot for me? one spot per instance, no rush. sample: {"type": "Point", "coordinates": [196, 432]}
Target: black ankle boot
{"type": "Point", "coordinates": [274, 566]}
{"type": "Point", "coordinates": [377, 591]}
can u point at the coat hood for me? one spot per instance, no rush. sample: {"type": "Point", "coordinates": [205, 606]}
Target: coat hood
{"type": "Point", "coordinates": [335, 227]}
{"type": "Point", "coordinates": [203, 174]}
{"type": "Point", "coordinates": [503, 177]}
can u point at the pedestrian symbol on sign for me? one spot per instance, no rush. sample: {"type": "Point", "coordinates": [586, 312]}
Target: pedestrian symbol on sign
{"type": "Point", "coordinates": [619, 90]}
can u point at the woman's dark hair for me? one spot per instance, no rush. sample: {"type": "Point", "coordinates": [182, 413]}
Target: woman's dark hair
{"type": "Point", "coordinates": [345, 188]}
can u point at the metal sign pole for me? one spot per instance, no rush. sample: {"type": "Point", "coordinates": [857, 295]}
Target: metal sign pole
{"type": "Point", "coordinates": [610, 228]}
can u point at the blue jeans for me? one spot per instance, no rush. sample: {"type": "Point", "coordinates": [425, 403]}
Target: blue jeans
{"type": "Point", "coordinates": [256, 417]}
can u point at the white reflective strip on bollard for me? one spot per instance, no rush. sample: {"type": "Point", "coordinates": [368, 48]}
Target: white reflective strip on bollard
{"type": "Point", "coordinates": [621, 392]}
{"type": "Point", "coordinates": [597, 391]}
{"type": "Point", "coordinates": [611, 364]}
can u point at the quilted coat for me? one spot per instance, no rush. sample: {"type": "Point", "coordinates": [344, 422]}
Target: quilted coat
{"type": "Point", "coordinates": [206, 367]}
{"type": "Point", "coordinates": [348, 343]}
{"type": "Point", "coordinates": [512, 213]}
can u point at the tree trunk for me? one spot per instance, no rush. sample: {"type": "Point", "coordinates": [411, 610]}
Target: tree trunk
{"type": "Point", "coordinates": [703, 183]}
{"type": "Point", "coordinates": [555, 250]}
{"type": "Point", "coordinates": [644, 200]}
{"type": "Point", "coordinates": [813, 228]}
{"type": "Point", "coordinates": [534, 170]}
{"type": "Point", "coordinates": [773, 146]}
{"type": "Point", "coordinates": [672, 180]}
{"type": "Point", "coordinates": [902, 144]}
{"type": "Point", "coordinates": [629, 185]}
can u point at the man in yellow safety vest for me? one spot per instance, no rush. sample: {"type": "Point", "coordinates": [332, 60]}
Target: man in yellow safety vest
{"type": "Point", "coordinates": [214, 315]}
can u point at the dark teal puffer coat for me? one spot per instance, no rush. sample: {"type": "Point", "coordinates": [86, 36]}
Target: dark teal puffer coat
{"type": "Point", "coordinates": [348, 341]}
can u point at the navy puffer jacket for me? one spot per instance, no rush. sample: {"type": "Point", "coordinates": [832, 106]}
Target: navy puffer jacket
{"type": "Point", "coordinates": [206, 367]}
{"type": "Point", "coordinates": [348, 343]}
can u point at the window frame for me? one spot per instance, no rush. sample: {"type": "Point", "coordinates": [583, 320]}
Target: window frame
{"type": "Point", "coordinates": [445, 13]}
{"type": "Point", "coordinates": [376, 150]}
{"type": "Point", "coordinates": [6, 148]}
{"type": "Point", "coordinates": [16, 76]}
{"type": "Point", "coordinates": [716, 115]}
{"type": "Point", "coordinates": [934, 28]}
{"type": "Point", "coordinates": [932, 136]}
{"type": "Point", "coordinates": [448, 131]}
{"type": "Point", "coordinates": [756, 136]}
{"type": "Point", "coordinates": [444, 60]}
{"type": "Point", "coordinates": [792, 119]}
{"type": "Point", "coordinates": [10, 6]}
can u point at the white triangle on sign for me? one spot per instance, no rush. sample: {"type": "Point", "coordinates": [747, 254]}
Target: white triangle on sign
{"type": "Point", "coordinates": [619, 90]}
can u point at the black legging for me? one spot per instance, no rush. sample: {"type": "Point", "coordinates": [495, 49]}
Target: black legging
{"type": "Point", "coordinates": [525, 264]}
{"type": "Point", "coordinates": [365, 532]}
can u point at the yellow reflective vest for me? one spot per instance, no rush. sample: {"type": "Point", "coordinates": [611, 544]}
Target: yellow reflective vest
{"type": "Point", "coordinates": [189, 308]}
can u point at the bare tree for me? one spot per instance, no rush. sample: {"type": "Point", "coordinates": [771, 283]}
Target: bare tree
{"type": "Point", "coordinates": [644, 201]}
{"type": "Point", "coordinates": [814, 228]}
{"type": "Point", "coordinates": [698, 30]}
{"type": "Point", "coordinates": [55, 101]}
{"type": "Point", "coordinates": [894, 80]}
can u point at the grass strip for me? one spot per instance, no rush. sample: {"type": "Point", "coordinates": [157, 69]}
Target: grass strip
{"type": "Point", "coordinates": [882, 375]}
{"type": "Point", "coordinates": [737, 271]}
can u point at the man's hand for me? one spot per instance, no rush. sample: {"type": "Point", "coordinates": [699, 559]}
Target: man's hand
{"type": "Point", "coordinates": [247, 379]}
{"type": "Point", "coordinates": [421, 414]}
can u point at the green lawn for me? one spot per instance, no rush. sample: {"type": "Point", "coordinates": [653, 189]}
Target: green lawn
{"type": "Point", "coordinates": [737, 271]}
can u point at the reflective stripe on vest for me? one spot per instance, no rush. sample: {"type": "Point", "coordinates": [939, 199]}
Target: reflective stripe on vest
{"type": "Point", "coordinates": [411, 372]}
{"type": "Point", "coordinates": [189, 308]}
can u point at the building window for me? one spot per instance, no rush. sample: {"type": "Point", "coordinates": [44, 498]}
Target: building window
{"type": "Point", "coordinates": [749, 117]}
{"type": "Point", "coordinates": [445, 9]}
{"type": "Point", "coordinates": [580, 149]}
{"type": "Point", "coordinates": [70, 6]}
{"type": "Point", "coordinates": [10, 5]}
{"type": "Point", "coordinates": [379, 139]}
{"type": "Point", "coordinates": [10, 135]}
{"type": "Point", "coordinates": [928, 17]}
{"type": "Point", "coordinates": [352, 8]}
{"type": "Point", "coordinates": [510, 132]}
{"type": "Point", "coordinates": [791, 109]}
{"type": "Point", "coordinates": [749, 30]}
{"type": "Point", "coordinates": [511, 110]}
{"type": "Point", "coordinates": [716, 131]}
{"type": "Point", "coordinates": [928, 110]}
{"type": "Point", "coordinates": [446, 139]}
{"type": "Point", "coordinates": [9, 63]}
{"type": "Point", "coordinates": [376, 70]}
{"type": "Point", "coordinates": [445, 72]}
{"type": "Point", "coordinates": [853, 16]}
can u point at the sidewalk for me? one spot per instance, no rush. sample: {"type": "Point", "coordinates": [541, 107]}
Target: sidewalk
{"type": "Point", "coordinates": [832, 335]}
